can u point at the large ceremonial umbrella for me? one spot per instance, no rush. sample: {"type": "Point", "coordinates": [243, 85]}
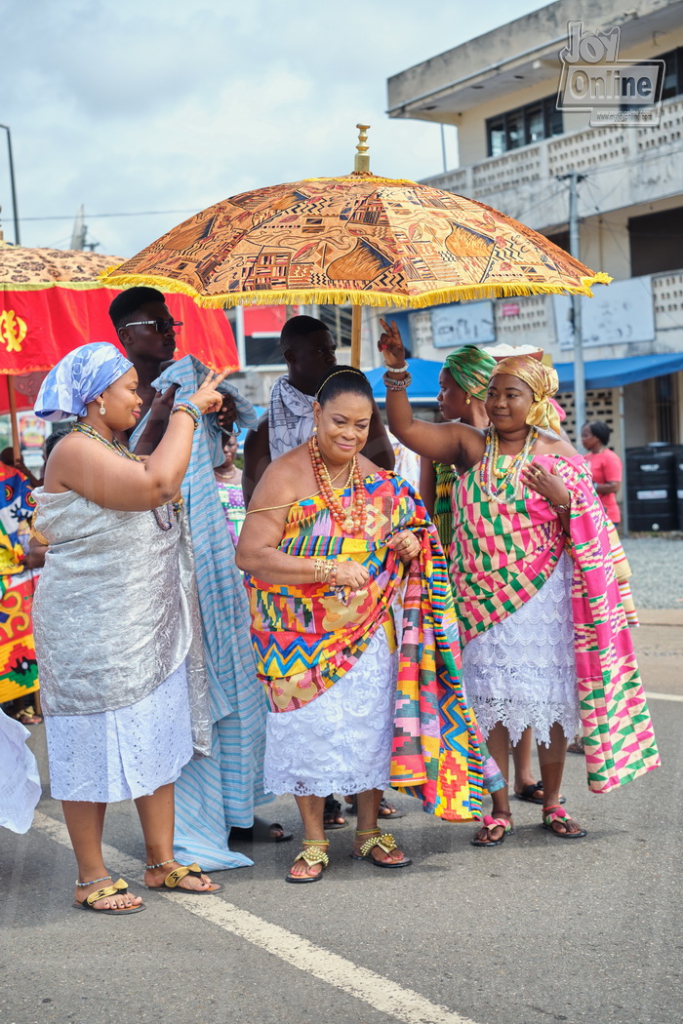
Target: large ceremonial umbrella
{"type": "Point", "coordinates": [360, 239]}
{"type": "Point", "coordinates": [52, 300]}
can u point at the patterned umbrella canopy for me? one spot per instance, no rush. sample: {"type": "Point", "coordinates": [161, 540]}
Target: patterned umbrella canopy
{"type": "Point", "coordinates": [360, 239]}
{"type": "Point", "coordinates": [52, 300]}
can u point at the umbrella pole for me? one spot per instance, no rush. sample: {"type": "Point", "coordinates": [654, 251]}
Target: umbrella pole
{"type": "Point", "coordinates": [356, 323]}
{"type": "Point", "coordinates": [16, 448]}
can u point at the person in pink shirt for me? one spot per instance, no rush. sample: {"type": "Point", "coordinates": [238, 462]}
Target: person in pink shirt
{"type": "Point", "coordinates": [605, 466]}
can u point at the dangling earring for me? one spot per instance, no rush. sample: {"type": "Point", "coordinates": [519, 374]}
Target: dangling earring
{"type": "Point", "coordinates": [315, 429]}
{"type": "Point", "coordinates": [468, 401]}
{"type": "Point", "coordinates": [102, 409]}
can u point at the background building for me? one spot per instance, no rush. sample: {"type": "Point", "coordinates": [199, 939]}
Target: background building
{"type": "Point", "coordinates": [498, 92]}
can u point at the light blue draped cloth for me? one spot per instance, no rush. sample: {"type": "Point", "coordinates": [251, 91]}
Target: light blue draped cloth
{"type": "Point", "coordinates": [79, 378]}
{"type": "Point", "coordinates": [219, 792]}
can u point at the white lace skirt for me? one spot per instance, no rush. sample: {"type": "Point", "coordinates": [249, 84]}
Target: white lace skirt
{"type": "Point", "coordinates": [123, 754]}
{"type": "Point", "coordinates": [341, 741]}
{"type": "Point", "coordinates": [522, 671]}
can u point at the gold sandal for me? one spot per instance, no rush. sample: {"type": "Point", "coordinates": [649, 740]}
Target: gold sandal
{"type": "Point", "coordinates": [118, 888]}
{"type": "Point", "coordinates": [386, 842]}
{"type": "Point", "coordinates": [174, 877]}
{"type": "Point", "coordinates": [313, 853]}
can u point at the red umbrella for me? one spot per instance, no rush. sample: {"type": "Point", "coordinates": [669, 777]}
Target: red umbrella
{"type": "Point", "coordinates": [51, 301]}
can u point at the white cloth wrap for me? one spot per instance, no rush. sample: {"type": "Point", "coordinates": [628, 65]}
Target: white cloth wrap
{"type": "Point", "coordinates": [124, 754]}
{"type": "Point", "coordinates": [19, 778]}
{"type": "Point", "coordinates": [115, 612]}
{"type": "Point", "coordinates": [290, 417]}
{"type": "Point", "coordinates": [341, 741]}
{"type": "Point", "coordinates": [522, 671]}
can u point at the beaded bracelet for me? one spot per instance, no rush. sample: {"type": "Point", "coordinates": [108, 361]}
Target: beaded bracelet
{"type": "Point", "coordinates": [325, 570]}
{"type": "Point", "coordinates": [191, 409]}
{"type": "Point", "coordinates": [397, 369]}
{"type": "Point", "coordinates": [392, 384]}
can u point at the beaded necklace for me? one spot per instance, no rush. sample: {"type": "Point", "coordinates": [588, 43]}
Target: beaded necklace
{"type": "Point", "coordinates": [353, 518]}
{"type": "Point", "coordinates": [172, 508]}
{"type": "Point", "coordinates": [113, 445]}
{"type": "Point", "coordinates": [489, 472]}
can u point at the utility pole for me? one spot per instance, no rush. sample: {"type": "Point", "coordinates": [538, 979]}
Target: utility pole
{"type": "Point", "coordinates": [12, 185]}
{"type": "Point", "coordinates": [78, 235]}
{"type": "Point", "coordinates": [575, 250]}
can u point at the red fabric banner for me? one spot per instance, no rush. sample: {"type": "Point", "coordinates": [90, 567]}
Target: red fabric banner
{"type": "Point", "coordinates": [38, 327]}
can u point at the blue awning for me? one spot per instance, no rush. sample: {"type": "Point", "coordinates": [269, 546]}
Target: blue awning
{"type": "Point", "coordinates": [615, 373]}
{"type": "Point", "coordinates": [600, 373]}
{"type": "Point", "coordinates": [425, 385]}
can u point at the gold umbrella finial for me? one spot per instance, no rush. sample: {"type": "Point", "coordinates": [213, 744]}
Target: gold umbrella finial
{"type": "Point", "coordinates": [361, 164]}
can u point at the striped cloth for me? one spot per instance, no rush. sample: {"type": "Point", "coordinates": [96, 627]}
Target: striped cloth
{"type": "Point", "coordinates": [219, 792]}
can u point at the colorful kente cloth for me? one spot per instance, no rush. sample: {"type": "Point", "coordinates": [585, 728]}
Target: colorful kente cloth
{"type": "Point", "coordinates": [306, 638]}
{"type": "Point", "coordinates": [443, 505]}
{"type": "Point", "coordinates": [18, 667]}
{"type": "Point", "coordinates": [502, 554]}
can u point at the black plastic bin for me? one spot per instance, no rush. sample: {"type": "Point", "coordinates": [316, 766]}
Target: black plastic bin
{"type": "Point", "coordinates": [678, 472]}
{"type": "Point", "coordinates": [651, 488]}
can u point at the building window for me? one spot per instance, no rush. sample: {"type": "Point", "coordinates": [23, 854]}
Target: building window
{"type": "Point", "coordinates": [672, 84]}
{"type": "Point", "coordinates": [656, 241]}
{"type": "Point", "coordinates": [523, 126]}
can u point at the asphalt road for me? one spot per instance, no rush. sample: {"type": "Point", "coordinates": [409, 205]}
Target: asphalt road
{"type": "Point", "coordinates": [538, 930]}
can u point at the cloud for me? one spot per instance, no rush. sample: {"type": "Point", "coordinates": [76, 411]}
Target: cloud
{"type": "Point", "coordinates": [142, 106]}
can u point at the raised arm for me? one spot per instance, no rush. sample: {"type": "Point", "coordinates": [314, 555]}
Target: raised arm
{"type": "Point", "coordinates": [441, 442]}
{"type": "Point", "coordinates": [379, 449]}
{"type": "Point", "coordinates": [86, 466]}
{"type": "Point", "coordinates": [258, 547]}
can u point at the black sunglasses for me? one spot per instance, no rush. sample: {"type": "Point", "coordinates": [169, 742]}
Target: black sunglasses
{"type": "Point", "coordinates": [162, 326]}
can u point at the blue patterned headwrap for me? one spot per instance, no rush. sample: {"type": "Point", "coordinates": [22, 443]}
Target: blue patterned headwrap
{"type": "Point", "coordinates": [79, 378]}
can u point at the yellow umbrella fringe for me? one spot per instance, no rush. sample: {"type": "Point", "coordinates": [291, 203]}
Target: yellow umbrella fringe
{"type": "Point", "coordinates": [80, 286]}
{"type": "Point", "coordinates": [323, 297]}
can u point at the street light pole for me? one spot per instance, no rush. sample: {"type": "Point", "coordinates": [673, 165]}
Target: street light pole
{"type": "Point", "coordinates": [12, 185]}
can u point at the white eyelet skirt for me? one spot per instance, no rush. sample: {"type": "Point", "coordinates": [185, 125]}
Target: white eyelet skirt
{"type": "Point", "coordinates": [522, 671]}
{"type": "Point", "coordinates": [341, 741]}
{"type": "Point", "coordinates": [123, 754]}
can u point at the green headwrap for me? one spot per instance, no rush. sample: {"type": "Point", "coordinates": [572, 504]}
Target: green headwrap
{"type": "Point", "coordinates": [471, 369]}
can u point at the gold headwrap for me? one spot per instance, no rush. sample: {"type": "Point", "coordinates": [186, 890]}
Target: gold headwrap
{"type": "Point", "coordinates": [544, 383]}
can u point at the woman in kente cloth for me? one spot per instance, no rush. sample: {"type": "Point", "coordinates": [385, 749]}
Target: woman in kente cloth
{"type": "Point", "coordinates": [463, 387]}
{"type": "Point", "coordinates": [545, 639]}
{"type": "Point", "coordinates": [229, 486]}
{"type": "Point", "coordinates": [115, 621]}
{"type": "Point", "coordinates": [358, 700]}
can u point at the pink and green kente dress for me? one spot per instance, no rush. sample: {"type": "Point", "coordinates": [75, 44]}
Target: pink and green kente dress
{"type": "Point", "coordinates": [544, 634]}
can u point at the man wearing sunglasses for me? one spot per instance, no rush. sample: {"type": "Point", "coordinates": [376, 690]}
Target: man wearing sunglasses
{"type": "Point", "coordinates": [147, 331]}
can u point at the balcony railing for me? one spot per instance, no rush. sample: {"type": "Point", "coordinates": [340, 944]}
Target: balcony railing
{"type": "Point", "coordinates": [517, 182]}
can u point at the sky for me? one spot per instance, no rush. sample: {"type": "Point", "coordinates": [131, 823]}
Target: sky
{"type": "Point", "coordinates": [159, 109]}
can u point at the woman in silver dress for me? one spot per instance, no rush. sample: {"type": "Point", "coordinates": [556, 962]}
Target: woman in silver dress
{"type": "Point", "coordinates": [122, 677]}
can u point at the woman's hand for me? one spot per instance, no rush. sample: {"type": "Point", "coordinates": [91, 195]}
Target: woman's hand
{"type": "Point", "coordinates": [351, 575]}
{"type": "Point", "coordinates": [207, 398]}
{"type": "Point", "coordinates": [406, 545]}
{"type": "Point", "coordinates": [391, 345]}
{"type": "Point", "coordinates": [549, 485]}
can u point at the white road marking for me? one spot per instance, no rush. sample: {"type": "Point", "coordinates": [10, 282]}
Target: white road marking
{"type": "Point", "coordinates": [649, 695]}
{"type": "Point", "coordinates": [382, 994]}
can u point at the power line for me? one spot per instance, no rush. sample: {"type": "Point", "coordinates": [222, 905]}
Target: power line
{"type": "Point", "coordinates": [90, 216]}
